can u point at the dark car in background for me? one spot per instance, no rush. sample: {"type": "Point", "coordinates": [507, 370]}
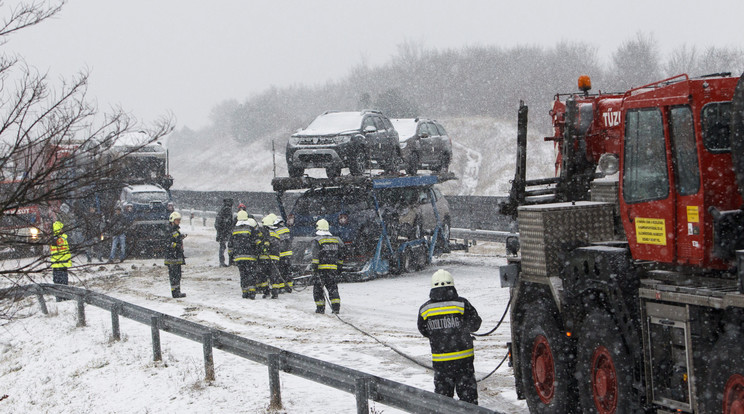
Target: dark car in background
{"type": "Point", "coordinates": [414, 211]}
{"type": "Point", "coordinates": [336, 140]}
{"type": "Point", "coordinates": [423, 143]}
{"type": "Point", "coordinates": [147, 207]}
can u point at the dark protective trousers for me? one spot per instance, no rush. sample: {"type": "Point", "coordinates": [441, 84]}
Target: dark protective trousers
{"type": "Point", "coordinates": [456, 375]}
{"type": "Point", "coordinates": [268, 277]}
{"type": "Point", "coordinates": [223, 247]}
{"type": "Point", "coordinates": [327, 279]}
{"type": "Point", "coordinates": [248, 277]}
{"type": "Point", "coordinates": [174, 275]}
{"type": "Point", "coordinates": [59, 276]}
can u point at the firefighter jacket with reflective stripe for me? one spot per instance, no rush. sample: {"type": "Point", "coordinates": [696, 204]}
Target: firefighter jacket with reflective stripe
{"type": "Point", "coordinates": [60, 252]}
{"type": "Point", "coordinates": [174, 247]}
{"type": "Point", "coordinates": [244, 242]}
{"type": "Point", "coordinates": [285, 243]}
{"type": "Point", "coordinates": [270, 245]}
{"type": "Point", "coordinates": [327, 252]}
{"type": "Point", "coordinates": [447, 320]}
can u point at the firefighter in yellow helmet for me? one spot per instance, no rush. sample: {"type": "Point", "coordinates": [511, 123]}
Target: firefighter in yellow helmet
{"type": "Point", "coordinates": [174, 256]}
{"type": "Point", "coordinates": [269, 259]}
{"type": "Point", "coordinates": [327, 251]}
{"type": "Point", "coordinates": [59, 255]}
{"type": "Point", "coordinates": [448, 319]}
{"type": "Point", "coordinates": [285, 253]}
{"type": "Point", "coordinates": [244, 243]}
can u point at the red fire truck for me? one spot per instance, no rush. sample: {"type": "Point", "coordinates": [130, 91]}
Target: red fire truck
{"type": "Point", "coordinates": [627, 281]}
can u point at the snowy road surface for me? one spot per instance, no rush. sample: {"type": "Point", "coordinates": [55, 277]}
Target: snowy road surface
{"type": "Point", "coordinates": [49, 365]}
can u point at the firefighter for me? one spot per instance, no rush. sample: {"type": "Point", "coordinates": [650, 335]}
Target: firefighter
{"type": "Point", "coordinates": [223, 224]}
{"type": "Point", "coordinates": [285, 253]}
{"type": "Point", "coordinates": [327, 251]}
{"type": "Point", "coordinates": [448, 320]}
{"type": "Point", "coordinates": [174, 257]}
{"type": "Point", "coordinates": [59, 255]}
{"type": "Point", "coordinates": [230, 255]}
{"type": "Point", "coordinates": [244, 243]}
{"type": "Point", "coordinates": [269, 259]}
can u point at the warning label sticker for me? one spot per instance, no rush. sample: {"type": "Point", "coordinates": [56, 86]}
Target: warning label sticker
{"type": "Point", "coordinates": [692, 214]}
{"type": "Point", "coordinates": [650, 231]}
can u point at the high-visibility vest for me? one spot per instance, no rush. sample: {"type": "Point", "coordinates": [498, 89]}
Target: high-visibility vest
{"type": "Point", "coordinates": [60, 252]}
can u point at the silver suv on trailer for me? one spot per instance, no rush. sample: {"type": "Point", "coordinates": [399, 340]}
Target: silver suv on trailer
{"type": "Point", "coordinates": [423, 143]}
{"type": "Point", "coordinates": [335, 140]}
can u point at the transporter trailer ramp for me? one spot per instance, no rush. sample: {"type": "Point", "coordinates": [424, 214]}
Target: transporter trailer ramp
{"type": "Point", "coordinates": [378, 249]}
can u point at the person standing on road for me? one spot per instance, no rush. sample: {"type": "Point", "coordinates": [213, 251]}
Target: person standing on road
{"type": "Point", "coordinates": [92, 230]}
{"type": "Point", "coordinates": [59, 255]}
{"type": "Point", "coordinates": [285, 253]}
{"type": "Point", "coordinates": [223, 223]}
{"type": "Point", "coordinates": [269, 259]}
{"type": "Point", "coordinates": [448, 320]}
{"type": "Point", "coordinates": [327, 253]}
{"type": "Point", "coordinates": [118, 226]}
{"type": "Point", "coordinates": [244, 243]}
{"type": "Point", "coordinates": [174, 256]}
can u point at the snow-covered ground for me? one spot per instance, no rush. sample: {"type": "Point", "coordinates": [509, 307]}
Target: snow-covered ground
{"type": "Point", "coordinates": [47, 364]}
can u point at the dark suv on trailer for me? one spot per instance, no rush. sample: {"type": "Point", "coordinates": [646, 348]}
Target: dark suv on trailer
{"type": "Point", "coordinates": [335, 140]}
{"type": "Point", "coordinates": [423, 143]}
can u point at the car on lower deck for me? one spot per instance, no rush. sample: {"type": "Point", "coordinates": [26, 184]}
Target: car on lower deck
{"type": "Point", "coordinates": [424, 143]}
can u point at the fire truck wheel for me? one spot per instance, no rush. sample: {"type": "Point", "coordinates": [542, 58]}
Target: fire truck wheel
{"type": "Point", "coordinates": [545, 362]}
{"type": "Point", "coordinates": [725, 379]}
{"type": "Point", "coordinates": [604, 368]}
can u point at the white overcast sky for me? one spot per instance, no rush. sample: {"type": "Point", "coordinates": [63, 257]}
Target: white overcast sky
{"type": "Point", "coordinates": [185, 56]}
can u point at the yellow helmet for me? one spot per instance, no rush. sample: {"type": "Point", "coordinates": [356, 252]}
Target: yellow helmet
{"type": "Point", "coordinates": [242, 215]}
{"type": "Point", "coordinates": [269, 219]}
{"type": "Point", "coordinates": [174, 216]}
{"type": "Point", "coordinates": [322, 224]}
{"type": "Point", "coordinates": [57, 227]}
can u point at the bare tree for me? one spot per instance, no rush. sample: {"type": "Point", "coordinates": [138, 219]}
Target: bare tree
{"type": "Point", "coordinates": [55, 147]}
{"type": "Point", "coordinates": [636, 62]}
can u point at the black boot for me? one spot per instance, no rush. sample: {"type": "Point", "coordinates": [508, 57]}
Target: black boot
{"type": "Point", "coordinates": [319, 310]}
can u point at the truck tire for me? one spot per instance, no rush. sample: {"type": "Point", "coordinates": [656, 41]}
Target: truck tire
{"type": "Point", "coordinates": [358, 163]}
{"type": "Point", "coordinates": [407, 262]}
{"type": "Point", "coordinates": [545, 362]}
{"type": "Point", "coordinates": [412, 164]}
{"type": "Point", "coordinates": [295, 171]}
{"type": "Point", "coordinates": [724, 387]}
{"type": "Point", "coordinates": [604, 367]}
{"type": "Point", "coordinates": [333, 172]}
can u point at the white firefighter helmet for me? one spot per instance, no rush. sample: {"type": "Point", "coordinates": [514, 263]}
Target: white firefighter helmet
{"type": "Point", "coordinates": [322, 224]}
{"type": "Point", "coordinates": [269, 219]}
{"type": "Point", "coordinates": [442, 278]}
{"type": "Point", "coordinates": [252, 222]}
{"type": "Point", "coordinates": [242, 215]}
{"type": "Point", "coordinates": [174, 216]}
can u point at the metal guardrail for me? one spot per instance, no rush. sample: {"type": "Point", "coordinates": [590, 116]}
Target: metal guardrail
{"type": "Point", "coordinates": [365, 386]}
{"type": "Point", "coordinates": [482, 235]}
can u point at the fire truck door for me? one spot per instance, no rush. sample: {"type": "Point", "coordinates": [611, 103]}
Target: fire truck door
{"type": "Point", "coordinates": [689, 205]}
{"type": "Point", "coordinates": [647, 201]}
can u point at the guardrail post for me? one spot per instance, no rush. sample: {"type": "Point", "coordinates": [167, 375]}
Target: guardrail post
{"type": "Point", "coordinates": [208, 357]}
{"type": "Point", "coordinates": [274, 385]}
{"type": "Point", "coordinates": [115, 333]}
{"type": "Point", "coordinates": [81, 311]}
{"type": "Point", "coordinates": [42, 304]}
{"type": "Point", "coordinates": [154, 323]}
{"type": "Point", "coordinates": [362, 395]}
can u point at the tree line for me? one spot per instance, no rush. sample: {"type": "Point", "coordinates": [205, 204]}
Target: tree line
{"type": "Point", "coordinates": [471, 81]}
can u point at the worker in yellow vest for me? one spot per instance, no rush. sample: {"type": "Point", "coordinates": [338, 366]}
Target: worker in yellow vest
{"type": "Point", "coordinates": [59, 255]}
